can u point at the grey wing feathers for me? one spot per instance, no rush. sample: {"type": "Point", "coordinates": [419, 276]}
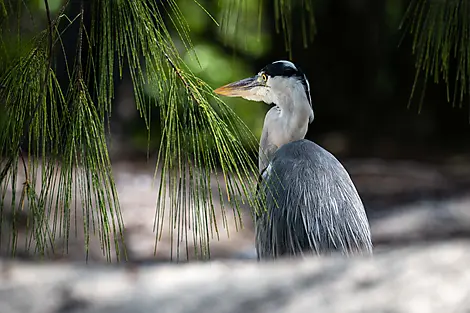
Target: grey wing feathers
{"type": "Point", "coordinates": [312, 206]}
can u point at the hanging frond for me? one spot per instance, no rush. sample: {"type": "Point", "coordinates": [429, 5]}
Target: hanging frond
{"type": "Point", "coordinates": [201, 146]}
{"type": "Point", "coordinates": [22, 103]}
{"type": "Point", "coordinates": [237, 15]}
{"type": "Point", "coordinates": [199, 133]}
{"type": "Point", "coordinates": [67, 170]}
{"type": "Point", "coordinates": [67, 167]}
{"type": "Point", "coordinates": [441, 31]}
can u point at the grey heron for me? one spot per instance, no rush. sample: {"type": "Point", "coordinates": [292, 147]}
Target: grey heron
{"type": "Point", "coordinates": [312, 205]}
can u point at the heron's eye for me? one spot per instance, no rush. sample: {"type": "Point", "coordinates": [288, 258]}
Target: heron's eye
{"type": "Point", "coordinates": [264, 77]}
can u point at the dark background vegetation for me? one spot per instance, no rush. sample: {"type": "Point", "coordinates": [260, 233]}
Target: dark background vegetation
{"type": "Point", "coordinates": [361, 74]}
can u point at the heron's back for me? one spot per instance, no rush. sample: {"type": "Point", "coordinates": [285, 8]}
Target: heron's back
{"type": "Point", "coordinates": [312, 206]}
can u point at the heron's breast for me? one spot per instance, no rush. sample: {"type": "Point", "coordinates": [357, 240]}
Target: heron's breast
{"type": "Point", "coordinates": [288, 133]}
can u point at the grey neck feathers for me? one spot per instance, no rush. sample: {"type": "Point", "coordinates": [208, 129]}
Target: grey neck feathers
{"type": "Point", "coordinates": [284, 123]}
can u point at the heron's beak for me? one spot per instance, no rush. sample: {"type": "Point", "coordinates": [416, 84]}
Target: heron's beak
{"type": "Point", "coordinates": [241, 88]}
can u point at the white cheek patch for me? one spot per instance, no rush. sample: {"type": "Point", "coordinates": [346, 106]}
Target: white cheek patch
{"type": "Point", "coordinates": [256, 94]}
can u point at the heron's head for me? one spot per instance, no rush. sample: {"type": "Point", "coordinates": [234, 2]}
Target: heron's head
{"type": "Point", "coordinates": [277, 83]}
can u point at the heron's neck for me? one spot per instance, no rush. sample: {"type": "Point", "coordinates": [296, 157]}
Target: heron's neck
{"type": "Point", "coordinates": [284, 123]}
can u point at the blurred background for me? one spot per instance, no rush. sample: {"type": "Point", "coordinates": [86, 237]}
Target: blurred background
{"type": "Point", "coordinates": [410, 162]}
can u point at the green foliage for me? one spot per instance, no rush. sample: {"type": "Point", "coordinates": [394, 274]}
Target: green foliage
{"type": "Point", "coordinates": [65, 129]}
{"type": "Point", "coordinates": [441, 32]}
{"type": "Point", "coordinates": [67, 163]}
{"type": "Point", "coordinates": [284, 12]}
{"type": "Point", "coordinates": [196, 143]}
{"type": "Point", "coordinates": [238, 22]}
{"type": "Point", "coordinates": [216, 66]}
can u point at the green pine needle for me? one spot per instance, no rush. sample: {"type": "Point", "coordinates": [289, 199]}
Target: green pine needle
{"type": "Point", "coordinates": [440, 32]}
{"type": "Point", "coordinates": [66, 164]}
{"type": "Point", "coordinates": [236, 14]}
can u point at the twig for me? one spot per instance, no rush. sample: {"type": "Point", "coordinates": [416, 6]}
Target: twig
{"type": "Point", "coordinates": [80, 40]}
{"type": "Point", "coordinates": [24, 166]}
{"type": "Point", "coordinates": [5, 169]}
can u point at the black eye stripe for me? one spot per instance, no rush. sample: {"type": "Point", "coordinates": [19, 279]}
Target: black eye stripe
{"type": "Point", "coordinates": [284, 69]}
